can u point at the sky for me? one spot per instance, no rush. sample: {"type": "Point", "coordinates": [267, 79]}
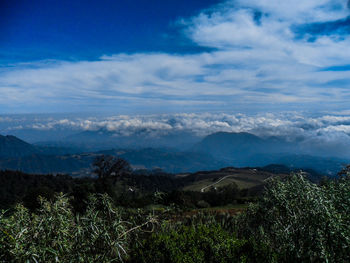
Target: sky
{"type": "Point", "coordinates": [174, 56]}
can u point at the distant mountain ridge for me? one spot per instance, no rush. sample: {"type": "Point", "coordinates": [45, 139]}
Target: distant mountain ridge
{"type": "Point", "coordinates": [142, 138]}
{"type": "Point", "coordinates": [213, 152]}
{"type": "Point", "coordinates": [168, 160]}
{"type": "Point", "coordinates": [240, 146]}
{"type": "Point", "coordinates": [19, 155]}
{"type": "Point", "coordinates": [12, 147]}
{"type": "Point", "coordinates": [248, 150]}
{"type": "Point", "coordinates": [81, 164]}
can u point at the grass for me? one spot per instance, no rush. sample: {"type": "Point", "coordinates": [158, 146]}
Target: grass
{"type": "Point", "coordinates": [243, 181]}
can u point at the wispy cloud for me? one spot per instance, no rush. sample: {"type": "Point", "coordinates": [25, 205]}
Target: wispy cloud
{"type": "Point", "coordinates": [264, 56]}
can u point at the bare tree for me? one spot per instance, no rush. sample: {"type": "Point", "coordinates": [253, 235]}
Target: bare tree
{"type": "Point", "coordinates": [110, 167]}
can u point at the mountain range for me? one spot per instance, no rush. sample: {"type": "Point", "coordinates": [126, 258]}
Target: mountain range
{"type": "Point", "coordinates": [103, 139]}
{"type": "Point", "coordinates": [12, 147]}
{"type": "Point", "coordinates": [212, 152]}
{"type": "Point", "coordinates": [245, 149]}
{"type": "Point", "coordinates": [239, 147]}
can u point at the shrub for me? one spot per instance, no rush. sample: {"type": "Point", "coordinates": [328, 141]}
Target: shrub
{"type": "Point", "coordinates": [55, 234]}
{"type": "Point", "coordinates": [300, 221]}
{"type": "Point", "coordinates": [197, 243]}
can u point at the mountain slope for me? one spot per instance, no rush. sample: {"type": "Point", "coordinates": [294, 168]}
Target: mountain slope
{"type": "Point", "coordinates": [244, 149]}
{"type": "Point", "coordinates": [50, 164]}
{"type": "Point", "coordinates": [16, 154]}
{"type": "Point", "coordinates": [225, 143]}
{"type": "Point", "coordinates": [11, 146]}
{"type": "Point", "coordinates": [169, 161]}
{"type": "Point", "coordinates": [213, 152]}
{"type": "Point", "coordinates": [244, 178]}
{"type": "Point", "coordinates": [238, 147]}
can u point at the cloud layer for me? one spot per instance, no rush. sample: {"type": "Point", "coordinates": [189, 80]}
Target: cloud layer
{"type": "Point", "coordinates": [321, 134]}
{"type": "Point", "coordinates": [266, 55]}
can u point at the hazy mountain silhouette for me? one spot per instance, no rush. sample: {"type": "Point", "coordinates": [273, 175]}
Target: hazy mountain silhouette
{"type": "Point", "coordinates": [11, 146]}
{"type": "Point", "coordinates": [213, 152]}
{"type": "Point", "coordinates": [245, 149]}
{"type": "Point", "coordinates": [169, 161]}
{"type": "Point", "coordinates": [19, 155]}
{"type": "Point", "coordinates": [141, 138]}
{"type": "Point", "coordinates": [238, 147]}
{"type": "Point", "coordinates": [50, 164]}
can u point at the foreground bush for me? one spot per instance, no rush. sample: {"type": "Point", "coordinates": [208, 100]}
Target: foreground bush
{"type": "Point", "coordinates": [190, 244]}
{"type": "Point", "coordinates": [294, 221]}
{"type": "Point", "coordinates": [301, 222]}
{"type": "Point", "coordinates": [55, 234]}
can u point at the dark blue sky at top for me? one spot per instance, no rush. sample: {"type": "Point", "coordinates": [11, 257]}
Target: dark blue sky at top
{"type": "Point", "coordinates": [250, 55]}
{"type": "Point", "coordinates": [75, 30]}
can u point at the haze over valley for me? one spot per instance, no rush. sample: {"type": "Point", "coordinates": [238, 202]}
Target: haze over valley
{"type": "Point", "coordinates": [176, 142]}
{"type": "Point", "coordinates": [177, 84]}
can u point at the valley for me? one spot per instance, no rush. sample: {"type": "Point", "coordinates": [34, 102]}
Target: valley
{"type": "Point", "coordinates": [213, 152]}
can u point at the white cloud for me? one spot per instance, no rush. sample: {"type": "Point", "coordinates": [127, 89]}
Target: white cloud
{"type": "Point", "coordinates": [329, 133]}
{"type": "Point", "coordinates": [258, 62]}
{"type": "Point", "coordinates": [287, 124]}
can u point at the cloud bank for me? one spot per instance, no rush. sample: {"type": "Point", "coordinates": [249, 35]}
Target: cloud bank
{"type": "Point", "coordinates": [266, 55]}
{"type": "Point", "coordinates": [317, 134]}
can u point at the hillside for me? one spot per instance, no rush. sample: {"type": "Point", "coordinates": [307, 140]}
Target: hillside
{"type": "Point", "coordinates": [11, 146]}
{"type": "Point", "coordinates": [15, 185]}
{"type": "Point", "coordinates": [238, 147]}
{"type": "Point", "coordinates": [78, 165]}
{"type": "Point", "coordinates": [168, 160]}
{"type": "Point", "coordinates": [213, 152]}
{"type": "Point", "coordinates": [248, 150]}
{"type": "Point", "coordinates": [245, 178]}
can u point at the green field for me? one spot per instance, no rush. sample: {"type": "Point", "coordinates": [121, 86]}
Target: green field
{"type": "Point", "coordinates": [244, 178]}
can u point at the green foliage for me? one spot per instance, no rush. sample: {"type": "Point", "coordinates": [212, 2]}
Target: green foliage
{"type": "Point", "coordinates": [54, 234]}
{"type": "Point", "coordinates": [17, 187]}
{"type": "Point", "coordinates": [127, 190]}
{"type": "Point", "coordinates": [225, 220]}
{"type": "Point", "coordinates": [220, 196]}
{"type": "Point", "coordinates": [293, 221]}
{"type": "Point", "coordinates": [301, 221]}
{"type": "Point", "coordinates": [190, 244]}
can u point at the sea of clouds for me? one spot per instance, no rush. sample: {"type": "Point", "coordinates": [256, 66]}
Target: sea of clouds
{"type": "Point", "coordinates": [291, 124]}
{"type": "Point", "coordinates": [326, 133]}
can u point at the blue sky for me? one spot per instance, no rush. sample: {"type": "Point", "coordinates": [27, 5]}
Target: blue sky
{"type": "Point", "coordinates": [153, 56]}
{"type": "Point", "coordinates": [85, 30]}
